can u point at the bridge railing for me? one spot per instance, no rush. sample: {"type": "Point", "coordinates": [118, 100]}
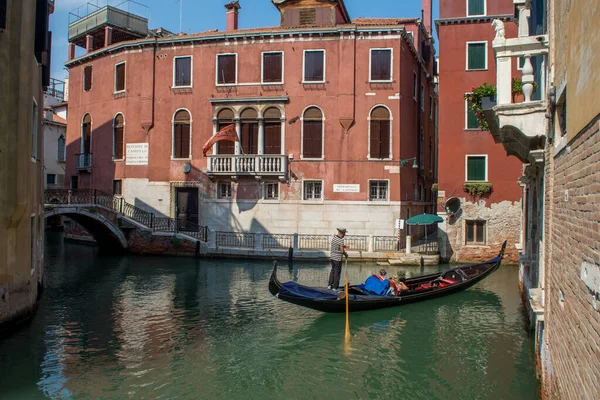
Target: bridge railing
{"type": "Point", "coordinates": [119, 205]}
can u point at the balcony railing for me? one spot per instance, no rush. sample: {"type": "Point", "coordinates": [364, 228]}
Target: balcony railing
{"type": "Point", "coordinates": [248, 164]}
{"type": "Point", "coordinates": [83, 161]}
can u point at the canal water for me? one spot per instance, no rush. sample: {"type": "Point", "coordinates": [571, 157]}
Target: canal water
{"type": "Point", "coordinates": [164, 328]}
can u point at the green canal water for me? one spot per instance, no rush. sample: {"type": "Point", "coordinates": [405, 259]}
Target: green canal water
{"type": "Point", "coordinates": [181, 328]}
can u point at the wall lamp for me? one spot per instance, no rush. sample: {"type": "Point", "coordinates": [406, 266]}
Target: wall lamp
{"type": "Point", "coordinates": [404, 162]}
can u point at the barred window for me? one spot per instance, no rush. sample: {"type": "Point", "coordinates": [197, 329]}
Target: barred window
{"type": "Point", "coordinates": [224, 190]}
{"type": "Point", "coordinates": [378, 190]}
{"type": "Point", "coordinates": [313, 190]}
{"type": "Point", "coordinates": [475, 232]}
{"type": "Point", "coordinates": [271, 191]}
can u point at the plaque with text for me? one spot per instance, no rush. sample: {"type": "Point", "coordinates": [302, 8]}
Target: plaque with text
{"type": "Point", "coordinates": [136, 154]}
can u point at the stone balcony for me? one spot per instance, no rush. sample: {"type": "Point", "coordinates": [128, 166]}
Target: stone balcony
{"type": "Point", "coordinates": [257, 165]}
{"type": "Point", "coordinates": [520, 126]}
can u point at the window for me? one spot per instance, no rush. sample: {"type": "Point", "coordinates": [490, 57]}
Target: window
{"type": "Point", "coordinates": [272, 117]}
{"type": "Point", "coordinates": [249, 131]}
{"type": "Point", "coordinates": [475, 232]}
{"type": "Point", "coordinates": [87, 78]}
{"type": "Point", "coordinates": [312, 133]}
{"type": "Point", "coordinates": [118, 127]}
{"type": "Point", "coordinates": [313, 190]}
{"type": "Point", "coordinates": [224, 190]}
{"type": "Point", "coordinates": [117, 187]}
{"type": "Point", "coordinates": [414, 86]}
{"type": "Point", "coordinates": [476, 168]}
{"type": "Point", "coordinates": [60, 156]}
{"type": "Point", "coordinates": [475, 8]}
{"type": "Point", "coordinates": [476, 56]}
{"type": "Point", "coordinates": [34, 131]}
{"type": "Point", "coordinates": [430, 107]}
{"type": "Point", "coordinates": [381, 65]}
{"type": "Point", "coordinates": [181, 134]}
{"type": "Point", "coordinates": [120, 77]}
{"type": "Point", "coordinates": [272, 67]}
{"type": "Point", "coordinates": [422, 97]}
{"type": "Point", "coordinates": [74, 182]}
{"type": "Point", "coordinates": [86, 134]}
{"type": "Point", "coordinates": [32, 232]}
{"type": "Point", "coordinates": [50, 179]}
{"type": "Point", "coordinates": [378, 190]}
{"type": "Point", "coordinates": [520, 63]}
{"type": "Point", "coordinates": [271, 191]}
{"type": "Point", "coordinates": [379, 133]}
{"type": "Point", "coordinates": [226, 69]}
{"type": "Point", "coordinates": [314, 66]}
{"type": "Point", "coordinates": [182, 71]}
{"type": "Point", "coordinates": [224, 118]}
{"type": "Point", "coordinates": [471, 121]}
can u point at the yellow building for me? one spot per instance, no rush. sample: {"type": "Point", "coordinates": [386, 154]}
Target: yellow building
{"type": "Point", "coordinates": [24, 71]}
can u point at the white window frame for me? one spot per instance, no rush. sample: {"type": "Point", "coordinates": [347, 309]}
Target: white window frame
{"type": "Point", "coordinates": [477, 15]}
{"type": "Point", "coordinates": [113, 137]}
{"type": "Point", "coordinates": [35, 111]}
{"type": "Point", "coordinates": [320, 200]}
{"type": "Point", "coordinates": [191, 85]}
{"type": "Point", "coordinates": [265, 184]}
{"type": "Point", "coordinates": [467, 55]}
{"type": "Point", "coordinates": [467, 165]}
{"type": "Point", "coordinates": [173, 158]}
{"type": "Point", "coordinates": [390, 154]}
{"type": "Point", "coordinates": [92, 78]}
{"type": "Point", "coordinates": [387, 194]}
{"type": "Point", "coordinates": [221, 183]}
{"type": "Point", "coordinates": [304, 66]}
{"type": "Point", "coordinates": [217, 69]}
{"type": "Point", "coordinates": [467, 116]}
{"type": "Point", "coordinates": [415, 86]}
{"type": "Point", "coordinates": [115, 91]}
{"type": "Point", "coordinates": [302, 134]}
{"type": "Point", "coordinates": [262, 67]}
{"type": "Point", "coordinates": [391, 50]}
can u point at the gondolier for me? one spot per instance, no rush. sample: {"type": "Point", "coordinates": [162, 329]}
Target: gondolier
{"type": "Point", "coordinates": [338, 249]}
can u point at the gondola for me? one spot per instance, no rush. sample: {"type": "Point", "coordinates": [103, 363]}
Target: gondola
{"type": "Point", "coordinates": [419, 288]}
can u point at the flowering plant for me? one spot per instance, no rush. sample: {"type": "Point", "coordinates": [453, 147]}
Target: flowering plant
{"type": "Point", "coordinates": [475, 97]}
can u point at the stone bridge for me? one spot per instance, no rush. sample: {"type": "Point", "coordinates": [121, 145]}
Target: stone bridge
{"type": "Point", "coordinates": [118, 226]}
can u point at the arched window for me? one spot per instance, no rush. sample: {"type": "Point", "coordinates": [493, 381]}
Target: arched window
{"type": "Point", "coordinates": [249, 134]}
{"type": "Point", "coordinates": [224, 118]}
{"type": "Point", "coordinates": [60, 156]}
{"type": "Point", "coordinates": [379, 143]}
{"type": "Point", "coordinates": [312, 133]}
{"type": "Point", "coordinates": [118, 126]}
{"type": "Point", "coordinates": [181, 134]}
{"type": "Point", "coordinates": [86, 134]}
{"type": "Point", "coordinates": [272, 118]}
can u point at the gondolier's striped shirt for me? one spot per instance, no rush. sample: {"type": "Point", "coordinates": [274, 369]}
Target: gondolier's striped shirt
{"type": "Point", "coordinates": [336, 242]}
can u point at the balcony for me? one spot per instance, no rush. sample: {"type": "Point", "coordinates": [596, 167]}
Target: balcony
{"type": "Point", "coordinates": [83, 161]}
{"type": "Point", "coordinates": [519, 125]}
{"type": "Point", "coordinates": [250, 165]}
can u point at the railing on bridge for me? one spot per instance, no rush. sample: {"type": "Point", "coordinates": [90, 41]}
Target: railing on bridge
{"type": "Point", "coordinates": [119, 205]}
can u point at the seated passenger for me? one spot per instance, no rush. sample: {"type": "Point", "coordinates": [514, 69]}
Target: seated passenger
{"type": "Point", "coordinates": [382, 274]}
{"type": "Point", "coordinates": [397, 285]}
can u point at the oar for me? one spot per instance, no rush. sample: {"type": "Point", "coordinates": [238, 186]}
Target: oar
{"type": "Point", "coordinates": [347, 337]}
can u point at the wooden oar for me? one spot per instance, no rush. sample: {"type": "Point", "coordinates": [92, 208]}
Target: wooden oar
{"type": "Point", "coordinates": [347, 337]}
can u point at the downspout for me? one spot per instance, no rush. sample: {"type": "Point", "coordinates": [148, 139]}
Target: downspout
{"type": "Point", "coordinates": [146, 126]}
{"type": "Point", "coordinates": [419, 102]}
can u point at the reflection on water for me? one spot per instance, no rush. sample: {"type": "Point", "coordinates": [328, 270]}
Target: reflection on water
{"type": "Point", "coordinates": [139, 327]}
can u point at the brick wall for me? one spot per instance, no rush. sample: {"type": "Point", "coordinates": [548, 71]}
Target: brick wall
{"type": "Point", "coordinates": [573, 325]}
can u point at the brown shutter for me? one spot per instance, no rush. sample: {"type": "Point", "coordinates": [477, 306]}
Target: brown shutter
{"type": "Point", "coordinates": [308, 16]}
{"type": "Point", "coordinates": [375, 140]}
{"type": "Point", "coordinates": [384, 132]}
{"type": "Point", "coordinates": [324, 16]}
{"type": "Point", "coordinates": [226, 69]}
{"type": "Point", "coordinates": [87, 78]}
{"type": "Point", "coordinates": [272, 67]}
{"type": "Point", "coordinates": [119, 143]}
{"type": "Point", "coordinates": [226, 146]}
{"type": "Point", "coordinates": [291, 17]}
{"type": "Point", "coordinates": [185, 141]}
{"type": "Point", "coordinates": [312, 139]}
{"type": "Point", "coordinates": [120, 84]}
{"type": "Point", "coordinates": [272, 138]}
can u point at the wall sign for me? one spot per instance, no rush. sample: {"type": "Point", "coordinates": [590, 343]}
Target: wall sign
{"type": "Point", "coordinates": [136, 154]}
{"type": "Point", "coordinates": [339, 188]}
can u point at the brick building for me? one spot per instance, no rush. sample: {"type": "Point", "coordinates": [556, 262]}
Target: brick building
{"type": "Point", "coordinates": [560, 152]}
{"type": "Point", "coordinates": [335, 119]}
{"type": "Point", "coordinates": [475, 226]}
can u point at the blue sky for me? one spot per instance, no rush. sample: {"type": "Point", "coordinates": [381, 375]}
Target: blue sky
{"type": "Point", "coordinates": [201, 15]}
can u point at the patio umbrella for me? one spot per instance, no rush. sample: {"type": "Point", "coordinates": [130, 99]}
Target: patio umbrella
{"type": "Point", "coordinates": [424, 219]}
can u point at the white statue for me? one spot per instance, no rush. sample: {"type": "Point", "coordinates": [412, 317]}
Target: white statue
{"type": "Point", "coordinates": [499, 26]}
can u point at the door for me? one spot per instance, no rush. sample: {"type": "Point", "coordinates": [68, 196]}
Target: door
{"type": "Point", "coordinates": [186, 208]}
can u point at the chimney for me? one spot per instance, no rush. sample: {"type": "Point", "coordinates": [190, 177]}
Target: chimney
{"type": "Point", "coordinates": [427, 7]}
{"type": "Point", "coordinates": [232, 15]}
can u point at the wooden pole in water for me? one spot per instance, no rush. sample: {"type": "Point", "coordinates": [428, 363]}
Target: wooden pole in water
{"type": "Point", "coordinates": [347, 337]}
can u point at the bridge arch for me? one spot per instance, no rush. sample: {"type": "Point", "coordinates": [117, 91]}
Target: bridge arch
{"type": "Point", "coordinates": [105, 232]}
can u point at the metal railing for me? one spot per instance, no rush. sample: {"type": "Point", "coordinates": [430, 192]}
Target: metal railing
{"type": "Point", "coordinates": [119, 205]}
{"type": "Point", "coordinates": [235, 239]}
{"type": "Point", "coordinates": [314, 242]}
{"type": "Point", "coordinates": [83, 161]}
{"type": "Point", "coordinates": [275, 241]}
{"type": "Point", "coordinates": [386, 243]}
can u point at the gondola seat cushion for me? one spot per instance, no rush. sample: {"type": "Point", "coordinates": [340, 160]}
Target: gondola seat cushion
{"type": "Point", "coordinates": [375, 286]}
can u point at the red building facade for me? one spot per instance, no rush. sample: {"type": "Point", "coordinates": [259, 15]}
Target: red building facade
{"type": "Point", "coordinates": [468, 155]}
{"type": "Point", "coordinates": [331, 114]}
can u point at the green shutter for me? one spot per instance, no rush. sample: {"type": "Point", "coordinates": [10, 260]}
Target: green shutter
{"type": "Point", "coordinates": [472, 121]}
{"type": "Point", "coordinates": [476, 7]}
{"type": "Point", "coordinates": [476, 56]}
{"type": "Point", "coordinates": [521, 62]}
{"type": "Point", "coordinates": [476, 169]}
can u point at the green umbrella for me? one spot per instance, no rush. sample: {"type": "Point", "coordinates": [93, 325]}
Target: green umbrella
{"type": "Point", "coordinates": [424, 219]}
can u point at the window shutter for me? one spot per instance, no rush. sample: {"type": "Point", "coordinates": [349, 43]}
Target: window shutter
{"type": "Point", "coordinates": [87, 78]}
{"type": "Point", "coordinates": [183, 71]}
{"type": "Point", "coordinates": [272, 138]}
{"type": "Point", "coordinates": [476, 7]}
{"type": "Point", "coordinates": [314, 66]}
{"type": "Point", "coordinates": [119, 143]}
{"type": "Point", "coordinates": [472, 121]}
{"type": "Point", "coordinates": [384, 132]}
{"type": "Point", "coordinates": [324, 16]}
{"type": "Point", "coordinates": [312, 139]}
{"type": "Point", "coordinates": [291, 17]}
{"type": "Point", "coordinates": [380, 65]}
{"type": "Point", "coordinates": [120, 84]}
{"type": "Point", "coordinates": [185, 141]}
{"type": "Point", "coordinates": [272, 67]}
{"type": "Point", "coordinates": [375, 145]}
{"type": "Point", "coordinates": [225, 146]}
{"type": "Point", "coordinates": [226, 69]}
{"type": "Point", "coordinates": [476, 169]}
{"type": "Point", "coordinates": [477, 56]}
{"type": "Point", "coordinates": [308, 16]}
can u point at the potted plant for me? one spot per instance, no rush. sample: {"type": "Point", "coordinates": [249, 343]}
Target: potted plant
{"type": "Point", "coordinates": [475, 98]}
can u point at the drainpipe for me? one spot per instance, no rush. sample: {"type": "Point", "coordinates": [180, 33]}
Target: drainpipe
{"type": "Point", "coordinates": [146, 126]}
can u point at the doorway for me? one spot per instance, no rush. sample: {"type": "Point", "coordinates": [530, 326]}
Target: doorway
{"type": "Point", "coordinates": [186, 208]}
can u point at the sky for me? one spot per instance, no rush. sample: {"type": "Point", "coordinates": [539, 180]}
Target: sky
{"type": "Point", "coordinates": [202, 15]}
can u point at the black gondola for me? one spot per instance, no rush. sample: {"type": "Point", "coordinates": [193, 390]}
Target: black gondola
{"type": "Point", "coordinates": [419, 288]}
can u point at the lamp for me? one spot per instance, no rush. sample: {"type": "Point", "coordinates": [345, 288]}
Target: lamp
{"type": "Point", "coordinates": [404, 162]}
